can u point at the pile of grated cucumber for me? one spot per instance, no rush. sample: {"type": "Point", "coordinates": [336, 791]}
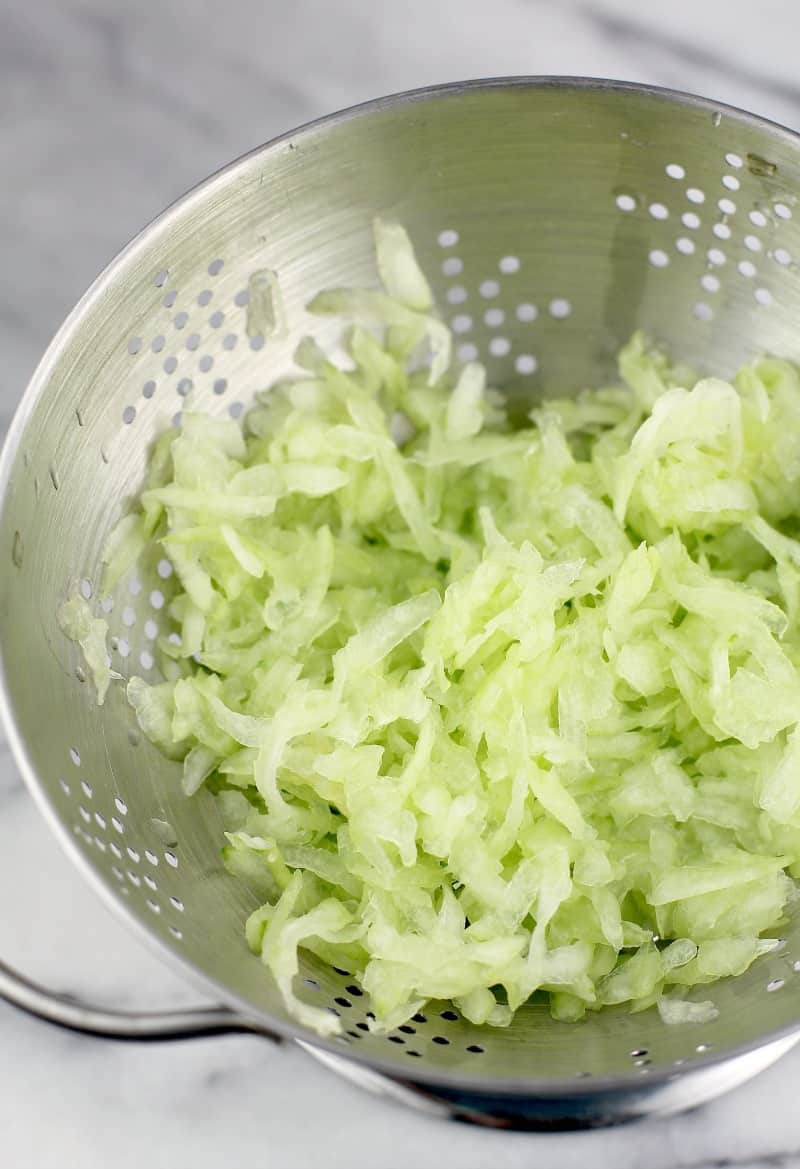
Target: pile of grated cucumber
{"type": "Point", "coordinates": [488, 711]}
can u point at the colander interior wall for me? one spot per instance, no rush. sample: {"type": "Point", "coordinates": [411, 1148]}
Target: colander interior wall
{"type": "Point", "coordinates": [554, 219]}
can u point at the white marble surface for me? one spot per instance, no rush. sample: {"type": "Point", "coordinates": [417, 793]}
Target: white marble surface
{"type": "Point", "coordinates": [109, 109]}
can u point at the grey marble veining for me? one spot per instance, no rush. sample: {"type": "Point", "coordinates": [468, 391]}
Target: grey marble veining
{"type": "Point", "coordinates": [108, 110]}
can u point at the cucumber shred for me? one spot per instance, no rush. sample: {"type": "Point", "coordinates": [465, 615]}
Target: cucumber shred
{"type": "Point", "coordinates": [488, 711]}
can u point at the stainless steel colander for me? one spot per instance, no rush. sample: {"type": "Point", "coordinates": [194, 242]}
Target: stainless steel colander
{"type": "Point", "coordinates": [554, 217]}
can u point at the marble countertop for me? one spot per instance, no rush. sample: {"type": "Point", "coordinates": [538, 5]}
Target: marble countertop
{"type": "Point", "coordinates": [108, 110]}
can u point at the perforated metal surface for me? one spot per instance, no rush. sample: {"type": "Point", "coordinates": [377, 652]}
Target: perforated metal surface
{"type": "Point", "coordinates": [553, 219]}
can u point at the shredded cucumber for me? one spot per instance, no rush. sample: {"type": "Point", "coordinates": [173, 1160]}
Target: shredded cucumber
{"type": "Point", "coordinates": [489, 711]}
{"type": "Point", "coordinates": [77, 623]}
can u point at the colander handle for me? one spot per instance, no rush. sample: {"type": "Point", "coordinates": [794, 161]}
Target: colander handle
{"type": "Point", "coordinates": [141, 1026]}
